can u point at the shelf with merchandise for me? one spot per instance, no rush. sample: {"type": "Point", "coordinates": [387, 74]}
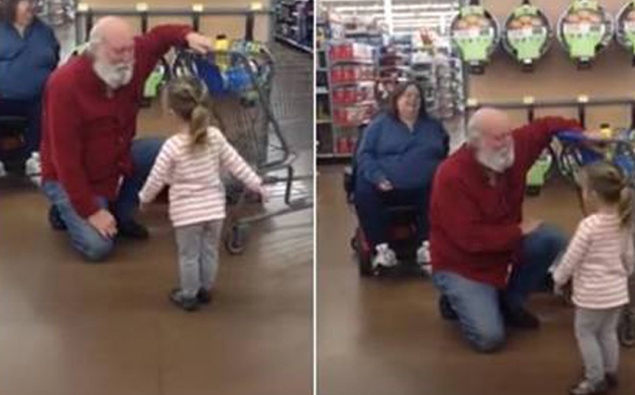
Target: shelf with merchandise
{"type": "Point", "coordinates": [294, 24]}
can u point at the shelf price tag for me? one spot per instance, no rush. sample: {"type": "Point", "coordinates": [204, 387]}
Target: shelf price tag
{"type": "Point", "coordinates": [142, 7]}
{"type": "Point", "coordinates": [472, 102]}
{"type": "Point", "coordinates": [197, 7]}
{"type": "Point", "coordinates": [528, 100]}
{"type": "Point", "coordinates": [583, 99]}
{"type": "Point", "coordinates": [257, 6]}
{"type": "Point", "coordinates": [82, 7]}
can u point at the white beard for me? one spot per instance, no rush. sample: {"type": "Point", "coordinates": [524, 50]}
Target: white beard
{"type": "Point", "coordinates": [498, 161]}
{"type": "Point", "coordinates": [115, 76]}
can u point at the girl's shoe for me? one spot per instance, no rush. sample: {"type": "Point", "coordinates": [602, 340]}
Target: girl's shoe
{"type": "Point", "coordinates": [184, 302]}
{"type": "Point", "coordinates": [585, 387]}
{"type": "Point", "coordinates": [611, 380]}
{"type": "Point", "coordinates": [203, 296]}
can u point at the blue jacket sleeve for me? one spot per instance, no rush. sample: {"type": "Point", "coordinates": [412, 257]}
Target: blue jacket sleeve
{"type": "Point", "coordinates": [56, 46]}
{"type": "Point", "coordinates": [367, 162]}
{"type": "Point", "coordinates": [446, 140]}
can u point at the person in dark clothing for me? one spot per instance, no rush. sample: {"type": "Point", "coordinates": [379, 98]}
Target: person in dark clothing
{"type": "Point", "coordinates": [396, 162]}
{"type": "Point", "coordinates": [29, 52]}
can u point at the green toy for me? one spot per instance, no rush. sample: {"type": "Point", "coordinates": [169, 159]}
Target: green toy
{"type": "Point", "coordinates": [584, 30]}
{"type": "Point", "coordinates": [626, 28]}
{"type": "Point", "coordinates": [155, 80]}
{"type": "Point", "coordinates": [80, 49]}
{"type": "Point", "coordinates": [526, 36]}
{"type": "Point", "coordinates": [538, 173]}
{"type": "Point", "coordinates": [474, 31]}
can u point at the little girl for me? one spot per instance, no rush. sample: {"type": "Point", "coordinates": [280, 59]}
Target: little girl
{"type": "Point", "coordinates": [190, 163]}
{"type": "Point", "coordinates": [599, 259]}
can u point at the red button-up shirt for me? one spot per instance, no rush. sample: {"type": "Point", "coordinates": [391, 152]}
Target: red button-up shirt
{"type": "Point", "coordinates": [475, 228]}
{"type": "Point", "coordinates": [86, 133]}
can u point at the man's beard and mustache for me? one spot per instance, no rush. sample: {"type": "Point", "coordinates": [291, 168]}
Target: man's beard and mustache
{"type": "Point", "coordinates": [115, 76]}
{"type": "Point", "coordinates": [496, 160]}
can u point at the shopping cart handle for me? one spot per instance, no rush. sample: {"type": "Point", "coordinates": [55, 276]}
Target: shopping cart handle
{"type": "Point", "coordinates": [571, 136]}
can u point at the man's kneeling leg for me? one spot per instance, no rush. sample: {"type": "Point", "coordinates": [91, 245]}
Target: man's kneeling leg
{"type": "Point", "coordinates": [84, 237]}
{"type": "Point", "coordinates": [477, 307]}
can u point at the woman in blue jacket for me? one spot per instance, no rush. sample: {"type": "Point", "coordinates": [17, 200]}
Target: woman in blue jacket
{"type": "Point", "coordinates": [396, 161]}
{"type": "Point", "coordinates": [29, 52]}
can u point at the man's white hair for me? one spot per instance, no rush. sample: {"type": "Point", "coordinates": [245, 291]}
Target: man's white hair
{"type": "Point", "coordinates": [96, 36]}
{"type": "Point", "coordinates": [473, 129]}
{"type": "Point", "coordinates": [97, 33]}
{"type": "Point", "coordinates": [477, 122]}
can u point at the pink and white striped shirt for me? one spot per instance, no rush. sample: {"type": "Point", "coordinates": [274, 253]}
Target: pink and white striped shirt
{"type": "Point", "coordinates": [196, 190]}
{"type": "Point", "coordinates": [599, 258]}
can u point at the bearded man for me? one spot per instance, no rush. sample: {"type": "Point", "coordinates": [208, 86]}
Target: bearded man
{"type": "Point", "coordinates": [92, 167]}
{"type": "Point", "coordinates": [486, 258]}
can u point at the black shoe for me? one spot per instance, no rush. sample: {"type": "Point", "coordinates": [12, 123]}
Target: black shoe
{"type": "Point", "coordinates": [55, 219]}
{"type": "Point", "coordinates": [446, 310]}
{"type": "Point", "coordinates": [133, 230]}
{"type": "Point", "coordinates": [203, 296]}
{"type": "Point", "coordinates": [187, 304]}
{"type": "Point", "coordinates": [611, 381]}
{"type": "Point", "coordinates": [520, 318]}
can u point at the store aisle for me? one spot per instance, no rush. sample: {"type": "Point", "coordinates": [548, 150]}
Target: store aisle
{"type": "Point", "coordinates": [385, 336]}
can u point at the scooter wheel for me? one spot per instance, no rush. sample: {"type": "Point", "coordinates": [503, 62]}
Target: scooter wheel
{"type": "Point", "coordinates": [365, 265]}
{"type": "Point", "coordinates": [236, 239]}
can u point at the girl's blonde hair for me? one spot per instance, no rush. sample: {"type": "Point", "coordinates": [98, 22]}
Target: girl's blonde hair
{"type": "Point", "coordinates": [612, 187]}
{"type": "Point", "coordinates": [188, 99]}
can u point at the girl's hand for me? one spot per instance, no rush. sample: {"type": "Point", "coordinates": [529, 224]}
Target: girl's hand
{"type": "Point", "coordinates": [143, 207]}
{"type": "Point", "coordinates": [264, 194]}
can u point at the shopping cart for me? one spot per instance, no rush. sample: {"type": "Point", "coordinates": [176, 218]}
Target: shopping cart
{"type": "Point", "coordinates": [239, 81]}
{"type": "Point", "coordinates": [578, 150]}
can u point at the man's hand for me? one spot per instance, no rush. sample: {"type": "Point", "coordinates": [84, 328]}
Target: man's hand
{"type": "Point", "coordinates": [385, 186]}
{"type": "Point", "coordinates": [104, 222]}
{"type": "Point", "coordinates": [199, 43]}
{"type": "Point", "coordinates": [529, 225]}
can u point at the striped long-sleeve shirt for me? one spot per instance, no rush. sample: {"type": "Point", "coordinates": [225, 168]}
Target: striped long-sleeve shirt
{"type": "Point", "coordinates": [599, 258]}
{"type": "Point", "coordinates": [196, 190]}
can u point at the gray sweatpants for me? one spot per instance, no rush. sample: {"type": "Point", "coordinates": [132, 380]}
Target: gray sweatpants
{"type": "Point", "coordinates": [631, 293]}
{"type": "Point", "coordinates": [596, 331]}
{"type": "Point", "coordinates": [198, 255]}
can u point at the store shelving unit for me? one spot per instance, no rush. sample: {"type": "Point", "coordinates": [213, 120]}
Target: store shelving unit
{"type": "Point", "coordinates": [294, 24]}
{"type": "Point", "coordinates": [349, 77]}
{"type": "Point", "coordinates": [440, 73]}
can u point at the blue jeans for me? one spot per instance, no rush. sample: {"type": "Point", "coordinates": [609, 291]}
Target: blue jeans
{"type": "Point", "coordinates": [84, 237]}
{"type": "Point", "coordinates": [477, 305]}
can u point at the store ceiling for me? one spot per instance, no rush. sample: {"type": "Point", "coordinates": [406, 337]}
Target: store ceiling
{"type": "Point", "coordinates": [402, 16]}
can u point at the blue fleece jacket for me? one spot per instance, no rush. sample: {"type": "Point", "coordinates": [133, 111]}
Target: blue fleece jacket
{"type": "Point", "coordinates": [26, 62]}
{"type": "Point", "coordinates": [390, 151]}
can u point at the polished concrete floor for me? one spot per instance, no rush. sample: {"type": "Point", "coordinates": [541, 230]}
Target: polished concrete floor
{"type": "Point", "coordinates": [71, 328]}
{"type": "Point", "coordinates": [380, 336]}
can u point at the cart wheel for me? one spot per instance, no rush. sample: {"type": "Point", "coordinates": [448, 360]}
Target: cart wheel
{"type": "Point", "coordinates": [236, 239]}
{"type": "Point", "coordinates": [626, 329]}
{"type": "Point", "coordinates": [365, 266]}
